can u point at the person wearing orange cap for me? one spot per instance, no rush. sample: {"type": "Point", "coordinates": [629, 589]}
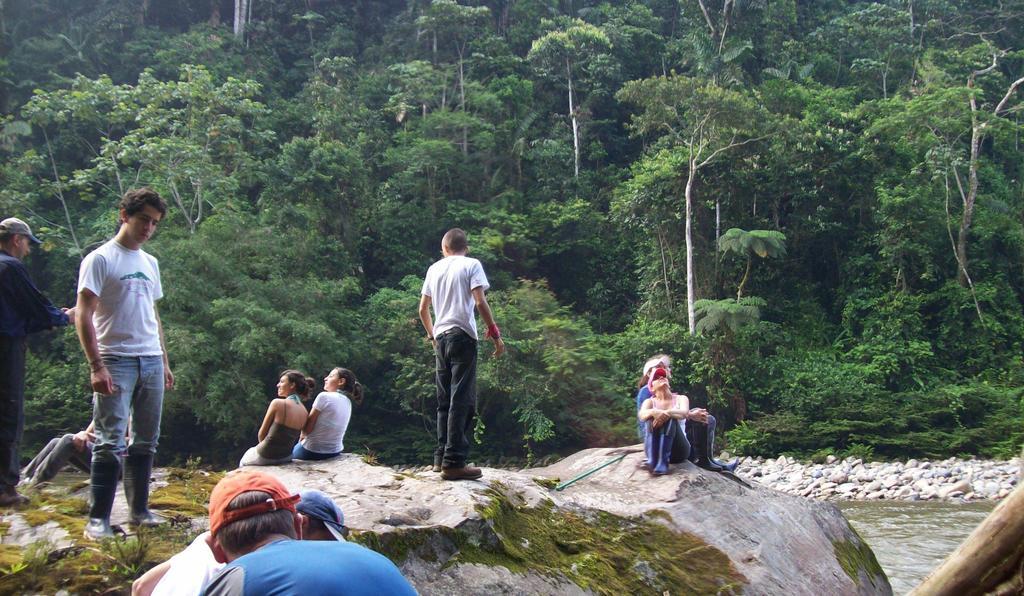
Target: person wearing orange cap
{"type": "Point", "coordinates": [255, 529]}
{"type": "Point", "coordinates": [190, 571]}
{"type": "Point", "coordinates": [23, 310]}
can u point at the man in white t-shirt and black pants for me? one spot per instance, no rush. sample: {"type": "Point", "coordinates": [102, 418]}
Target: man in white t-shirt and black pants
{"type": "Point", "coordinates": [455, 285]}
{"type": "Point", "coordinates": [120, 332]}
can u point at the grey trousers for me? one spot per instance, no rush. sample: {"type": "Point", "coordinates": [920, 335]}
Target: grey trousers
{"type": "Point", "coordinates": [59, 452]}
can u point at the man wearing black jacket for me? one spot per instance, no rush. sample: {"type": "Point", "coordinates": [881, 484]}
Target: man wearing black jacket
{"type": "Point", "coordinates": [23, 310]}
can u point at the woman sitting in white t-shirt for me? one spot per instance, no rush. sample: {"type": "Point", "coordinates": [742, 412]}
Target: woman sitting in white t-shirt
{"type": "Point", "coordinates": [323, 435]}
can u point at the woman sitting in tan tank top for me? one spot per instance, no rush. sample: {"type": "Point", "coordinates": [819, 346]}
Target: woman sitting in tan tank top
{"type": "Point", "coordinates": [285, 418]}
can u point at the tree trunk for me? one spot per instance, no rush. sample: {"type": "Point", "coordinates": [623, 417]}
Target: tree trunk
{"type": "Point", "coordinates": [746, 276]}
{"type": "Point", "coordinates": [575, 123]}
{"type": "Point", "coordinates": [214, 19]}
{"type": "Point", "coordinates": [989, 561]}
{"type": "Point", "coordinates": [968, 198]}
{"type": "Point", "coordinates": [718, 234]}
{"type": "Point", "coordinates": [462, 101]}
{"type": "Point", "coordinates": [664, 267]}
{"type": "Point", "coordinates": [241, 17]}
{"type": "Point", "coordinates": [691, 292]}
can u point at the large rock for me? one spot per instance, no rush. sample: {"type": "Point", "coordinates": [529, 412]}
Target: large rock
{"type": "Point", "coordinates": [618, 531]}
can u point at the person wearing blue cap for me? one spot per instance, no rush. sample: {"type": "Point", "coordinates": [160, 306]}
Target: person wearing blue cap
{"type": "Point", "coordinates": [23, 310]}
{"type": "Point", "coordinates": [321, 517]}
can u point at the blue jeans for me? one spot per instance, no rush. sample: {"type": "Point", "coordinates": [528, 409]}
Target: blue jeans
{"type": "Point", "coordinates": [664, 446]}
{"type": "Point", "coordinates": [300, 452]}
{"type": "Point", "coordinates": [456, 396]}
{"type": "Point", "coordinates": [138, 389]}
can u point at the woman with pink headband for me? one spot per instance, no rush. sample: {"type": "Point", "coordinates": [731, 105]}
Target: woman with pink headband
{"type": "Point", "coordinates": [698, 425]}
{"type": "Point", "coordinates": [662, 415]}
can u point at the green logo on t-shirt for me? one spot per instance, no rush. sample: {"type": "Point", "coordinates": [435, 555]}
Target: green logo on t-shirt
{"type": "Point", "coordinates": [136, 275]}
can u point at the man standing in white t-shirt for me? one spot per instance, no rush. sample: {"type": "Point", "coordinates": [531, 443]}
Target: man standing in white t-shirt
{"type": "Point", "coordinates": [120, 332]}
{"type": "Point", "coordinates": [455, 285]}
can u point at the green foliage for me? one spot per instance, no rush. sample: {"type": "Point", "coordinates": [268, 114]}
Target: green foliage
{"type": "Point", "coordinates": [729, 312]}
{"type": "Point", "coordinates": [745, 439]}
{"type": "Point", "coordinates": [128, 554]}
{"type": "Point", "coordinates": [763, 243]}
{"type": "Point", "coordinates": [312, 166]}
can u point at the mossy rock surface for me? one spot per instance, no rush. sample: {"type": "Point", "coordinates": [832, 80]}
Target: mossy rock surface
{"type": "Point", "coordinates": [858, 561]}
{"type": "Point", "coordinates": [109, 567]}
{"type": "Point", "coordinates": [599, 551]}
{"type": "Point", "coordinates": [187, 492]}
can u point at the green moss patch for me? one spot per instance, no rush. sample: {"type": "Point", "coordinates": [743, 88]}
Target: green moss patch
{"type": "Point", "coordinates": [855, 557]}
{"type": "Point", "coordinates": [187, 492]}
{"type": "Point", "coordinates": [604, 553]}
{"type": "Point", "coordinates": [69, 512]}
{"type": "Point", "coordinates": [430, 545]}
{"type": "Point", "coordinates": [547, 483]}
{"type": "Point", "coordinates": [10, 554]}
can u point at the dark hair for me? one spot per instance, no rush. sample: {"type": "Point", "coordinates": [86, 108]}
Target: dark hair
{"type": "Point", "coordinates": [136, 199]}
{"type": "Point", "coordinates": [455, 240]}
{"type": "Point", "coordinates": [238, 537]}
{"type": "Point", "coordinates": [352, 386]}
{"type": "Point", "coordinates": [303, 384]}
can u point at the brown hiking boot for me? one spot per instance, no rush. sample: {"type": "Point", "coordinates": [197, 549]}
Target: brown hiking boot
{"type": "Point", "coordinates": [463, 473]}
{"type": "Point", "coordinates": [12, 498]}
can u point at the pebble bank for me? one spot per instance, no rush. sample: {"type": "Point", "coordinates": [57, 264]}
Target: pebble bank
{"type": "Point", "coordinates": [852, 479]}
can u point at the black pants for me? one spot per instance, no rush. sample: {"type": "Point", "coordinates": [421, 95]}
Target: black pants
{"type": "Point", "coordinates": [12, 407]}
{"type": "Point", "coordinates": [456, 396]}
{"type": "Point", "coordinates": [702, 438]}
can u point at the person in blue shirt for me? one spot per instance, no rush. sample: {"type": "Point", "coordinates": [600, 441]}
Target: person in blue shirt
{"type": "Point", "coordinates": [23, 310]}
{"type": "Point", "coordinates": [256, 530]}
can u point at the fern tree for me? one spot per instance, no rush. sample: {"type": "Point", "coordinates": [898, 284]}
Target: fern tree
{"type": "Point", "coordinates": [723, 318]}
{"type": "Point", "coordinates": [760, 243]}
{"type": "Point", "coordinates": [727, 313]}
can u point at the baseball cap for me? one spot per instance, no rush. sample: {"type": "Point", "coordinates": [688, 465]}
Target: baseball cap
{"type": "Point", "coordinates": [658, 373]}
{"type": "Point", "coordinates": [317, 505]}
{"type": "Point", "coordinates": [235, 484]}
{"type": "Point", "coordinates": [13, 225]}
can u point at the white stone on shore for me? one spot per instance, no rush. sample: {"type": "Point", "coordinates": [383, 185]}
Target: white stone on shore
{"type": "Point", "coordinates": [838, 477]}
{"type": "Point", "coordinates": [961, 487]}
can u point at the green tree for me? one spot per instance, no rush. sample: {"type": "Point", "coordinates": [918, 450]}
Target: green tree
{"type": "Point", "coordinates": [564, 54]}
{"type": "Point", "coordinates": [706, 121]}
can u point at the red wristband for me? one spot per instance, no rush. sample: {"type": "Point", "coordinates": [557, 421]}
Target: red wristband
{"type": "Point", "coordinates": [493, 332]}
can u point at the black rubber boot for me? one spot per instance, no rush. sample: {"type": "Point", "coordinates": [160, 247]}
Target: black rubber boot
{"type": "Point", "coordinates": [137, 471]}
{"type": "Point", "coordinates": [103, 481]}
{"type": "Point", "coordinates": [700, 448]}
{"type": "Point", "coordinates": [728, 467]}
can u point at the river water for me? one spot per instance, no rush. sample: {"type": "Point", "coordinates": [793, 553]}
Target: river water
{"type": "Point", "coordinates": [910, 538]}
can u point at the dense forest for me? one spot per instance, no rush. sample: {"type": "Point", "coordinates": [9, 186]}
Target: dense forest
{"type": "Point", "coordinates": [817, 208]}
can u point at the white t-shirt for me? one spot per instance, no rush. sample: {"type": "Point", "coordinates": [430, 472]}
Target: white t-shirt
{"type": "Point", "coordinates": [450, 283]}
{"type": "Point", "coordinates": [127, 283]}
{"type": "Point", "coordinates": [329, 433]}
{"type": "Point", "coordinates": [191, 570]}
